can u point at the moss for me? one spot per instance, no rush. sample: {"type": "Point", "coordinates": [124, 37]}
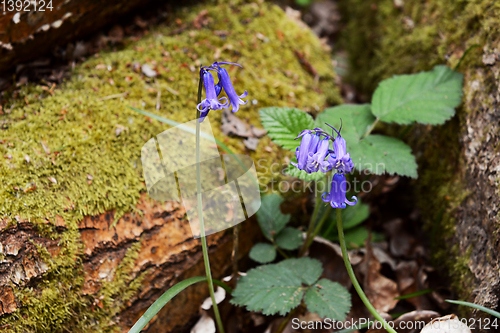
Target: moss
{"type": "Point", "coordinates": [78, 165]}
{"type": "Point", "coordinates": [384, 40]}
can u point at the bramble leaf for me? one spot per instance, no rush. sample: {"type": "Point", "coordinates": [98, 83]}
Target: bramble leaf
{"type": "Point", "coordinates": [263, 253]}
{"type": "Point", "coordinates": [289, 239]}
{"type": "Point", "coordinates": [426, 97]}
{"type": "Point", "coordinates": [328, 299]}
{"type": "Point", "coordinates": [271, 219]}
{"type": "Point", "coordinates": [276, 288]}
{"type": "Point", "coordinates": [284, 124]}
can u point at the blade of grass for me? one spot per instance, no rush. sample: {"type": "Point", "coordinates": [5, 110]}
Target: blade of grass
{"type": "Point", "coordinates": [415, 294]}
{"type": "Point", "coordinates": [167, 296]}
{"type": "Point", "coordinates": [475, 306]}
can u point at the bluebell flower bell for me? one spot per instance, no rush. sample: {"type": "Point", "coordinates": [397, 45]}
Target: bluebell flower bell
{"type": "Point", "coordinates": [336, 197]}
{"type": "Point", "coordinates": [302, 152]}
{"type": "Point", "coordinates": [227, 85]}
{"type": "Point", "coordinates": [316, 161]}
{"type": "Point", "coordinates": [340, 159]}
{"type": "Point", "coordinates": [211, 102]}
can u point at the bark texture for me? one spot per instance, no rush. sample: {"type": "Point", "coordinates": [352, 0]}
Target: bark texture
{"type": "Point", "coordinates": [459, 162]}
{"type": "Point", "coordinates": [29, 34]}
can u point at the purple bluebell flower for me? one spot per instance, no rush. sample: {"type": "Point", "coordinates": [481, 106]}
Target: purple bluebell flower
{"type": "Point", "coordinates": [211, 102]}
{"type": "Point", "coordinates": [225, 80]}
{"type": "Point", "coordinates": [341, 159]}
{"type": "Point", "coordinates": [316, 161]}
{"type": "Point", "coordinates": [302, 152]}
{"type": "Point", "coordinates": [336, 197]}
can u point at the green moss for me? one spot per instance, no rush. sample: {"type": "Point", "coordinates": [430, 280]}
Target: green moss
{"type": "Point", "coordinates": [77, 123]}
{"type": "Point", "coordinates": [384, 40]}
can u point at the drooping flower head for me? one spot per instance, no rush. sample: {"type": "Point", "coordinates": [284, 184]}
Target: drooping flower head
{"type": "Point", "coordinates": [312, 151]}
{"type": "Point", "coordinates": [336, 197]}
{"type": "Point", "coordinates": [227, 85]}
{"type": "Point", "coordinates": [211, 102]}
{"type": "Point", "coordinates": [341, 159]}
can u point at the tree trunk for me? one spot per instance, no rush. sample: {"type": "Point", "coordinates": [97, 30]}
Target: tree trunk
{"type": "Point", "coordinates": [459, 162]}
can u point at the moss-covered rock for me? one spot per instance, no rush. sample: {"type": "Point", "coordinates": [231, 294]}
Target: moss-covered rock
{"type": "Point", "coordinates": [73, 151]}
{"type": "Point", "coordinates": [458, 162]}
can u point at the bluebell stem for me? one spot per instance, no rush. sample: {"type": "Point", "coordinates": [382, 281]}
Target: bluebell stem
{"type": "Point", "coordinates": [227, 85]}
{"type": "Point", "coordinates": [336, 197]}
{"type": "Point", "coordinates": [211, 102]}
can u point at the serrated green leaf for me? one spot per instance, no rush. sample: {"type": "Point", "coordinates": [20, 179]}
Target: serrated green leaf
{"type": "Point", "coordinates": [284, 124]}
{"type": "Point", "coordinates": [301, 174]}
{"type": "Point", "coordinates": [306, 269]}
{"type": "Point", "coordinates": [328, 299]}
{"type": "Point", "coordinates": [379, 154]}
{"type": "Point", "coordinates": [289, 238]}
{"type": "Point", "coordinates": [375, 153]}
{"type": "Point", "coordinates": [427, 97]}
{"type": "Point", "coordinates": [356, 120]}
{"type": "Point", "coordinates": [263, 253]}
{"type": "Point", "coordinates": [271, 219]}
{"type": "Point", "coordinates": [276, 288]}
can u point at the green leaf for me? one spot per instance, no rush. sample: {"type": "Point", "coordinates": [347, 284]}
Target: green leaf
{"type": "Point", "coordinates": [375, 153]}
{"type": "Point", "coordinates": [284, 124]}
{"type": "Point", "coordinates": [356, 237]}
{"type": "Point", "coordinates": [308, 270]}
{"type": "Point", "coordinates": [276, 288]}
{"type": "Point", "coordinates": [263, 253]}
{"type": "Point", "coordinates": [354, 215]}
{"type": "Point", "coordinates": [356, 120]}
{"type": "Point", "coordinates": [289, 239]}
{"type": "Point", "coordinates": [427, 97]}
{"type": "Point", "coordinates": [271, 219]}
{"type": "Point", "coordinates": [351, 217]}
{"type": "Point", "coordinates": [301, 174]}
{"type": "Point", "coordinates": [328, 299]}
{"type": "Point", "coordinates": [379, 154]}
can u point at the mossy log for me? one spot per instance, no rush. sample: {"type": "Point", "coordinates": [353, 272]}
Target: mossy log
{"type": "Point", "coordinates": [83, 247]}
{"type": "Point", "coordinates": [459, 162]}
{"type": "Point", "coordinates": [43, 24]}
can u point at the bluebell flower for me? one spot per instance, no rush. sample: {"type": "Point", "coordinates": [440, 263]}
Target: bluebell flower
{"type": "Point", "coordinates": [312, 151]}
{"type": "Point", "coordinates": [302, 152]}
{"type": "Point", "coordinates": [211, 102]}
{"type": "Point", "coordinates": [336, 197]}
{"type": "Point", "coordinates": [316, 161]}
{"type": "Point", "coordinates": [341, 159]}
{"type": "Point", "coordinates": [225, 80]}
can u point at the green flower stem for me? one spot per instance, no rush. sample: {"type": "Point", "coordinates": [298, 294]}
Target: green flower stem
{"type": "Point", "coordinates": [310, 229]}
{"type": "Point", "coordinates": [204, 246]}
{"type": "Point", "coordinates": [355, 282]}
